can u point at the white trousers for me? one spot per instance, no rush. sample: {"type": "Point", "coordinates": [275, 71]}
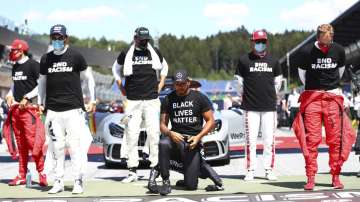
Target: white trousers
{"type": "Point", "coordinates": [149, 110]}
{"type": "Point", "coordinates": [266, 123]}
{"type": "Point", "coordinates": [67, 129]}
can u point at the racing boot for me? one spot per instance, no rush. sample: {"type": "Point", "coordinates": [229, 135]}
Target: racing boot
{"type": "Point", "coordinates": [336, 183]}
{"type": "Point", "coordinates": [180, 183]}
{"type": "Point", "coordinates": [270, 175]}
{"type": "Point", "coordinates": [214, 187]}
{"type": "Point", "coordinates": [132, 176]}
{"type": "Point", "coordinates": [42, 180]}
{"type": "Point", "coordinates": [78, 187]}
{"type": "Point", "coordinates": [57, 187]}
{"type": "Point", "coordinates": [310, 183]}
{"type": "Point", "coordinates": [249, 175]}
{"type": "Point", "coordinates": [18, 180]}
{"type": "Point", "coordinates": [152, 186]}
{"type": "Point", "coordinates": [165, 189]}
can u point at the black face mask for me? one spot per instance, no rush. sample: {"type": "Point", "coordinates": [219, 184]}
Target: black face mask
{"type": "Point", "coordinates": [142, 44]}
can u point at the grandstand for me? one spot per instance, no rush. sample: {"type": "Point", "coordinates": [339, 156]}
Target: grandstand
{"type": "Point", "coordinates": [347, 33]}
{"type": "Point", "coordinates": [94, 57]}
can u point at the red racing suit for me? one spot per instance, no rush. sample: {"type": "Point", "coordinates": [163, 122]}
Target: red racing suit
{"type": "Point", "coordinates": [29, 136]}
{"type": "Point", "coordinates": [319, 107]}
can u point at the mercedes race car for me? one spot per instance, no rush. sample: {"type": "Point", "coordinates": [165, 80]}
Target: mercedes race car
{"type": "Point", "coordinates": [227, 133]}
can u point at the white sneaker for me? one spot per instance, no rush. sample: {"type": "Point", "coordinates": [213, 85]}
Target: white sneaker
{"type": "Point", "coordinates": [78, 187]}
{"type": "Point", "coordinates": [249, 175]}
{"type": "Point", "coordinates": [57, 187]}
{"type": "Point", "coordinates": [269, 175]}
{"type": "Point", "coordinates": [132, 177]}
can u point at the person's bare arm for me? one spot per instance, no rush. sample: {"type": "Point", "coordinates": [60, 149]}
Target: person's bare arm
{"type": "Point", "coordinates": [164, 121]}
{"type": "Point", "coordinates": [161, 83]}
{"type": "Point", "coordinates": [209, 125]}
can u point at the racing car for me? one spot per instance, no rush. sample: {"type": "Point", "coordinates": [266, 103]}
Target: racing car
{"type": "Point", "coordinates": [228, 132]}
{"type": "Point", "coordinates": [227, 135]}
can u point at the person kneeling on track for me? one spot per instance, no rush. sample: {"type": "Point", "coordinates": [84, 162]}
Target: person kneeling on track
{"type": "Point", "coordinates": [186, 109]}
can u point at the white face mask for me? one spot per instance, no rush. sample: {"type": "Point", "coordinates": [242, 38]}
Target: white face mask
{"type": "Point", "coordinates": [260, 47]}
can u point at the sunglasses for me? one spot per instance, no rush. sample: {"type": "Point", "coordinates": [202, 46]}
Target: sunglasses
{"type": "Point", "coordinates": [180, 83]}
{"type": "Point", "coordinates": [58, 37]}
{"type": "Point", "coordinates": [261, 41]}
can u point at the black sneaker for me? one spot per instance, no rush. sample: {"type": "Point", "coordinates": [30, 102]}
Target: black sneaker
{"type": "Point", "coordinates": [165, 189]}
{"type": "Point", "coordinates": [214, 188]}
{"type": "Point", "coordinates": [152, 186]}
{"type": "Point", "coordinates": [180, 183]}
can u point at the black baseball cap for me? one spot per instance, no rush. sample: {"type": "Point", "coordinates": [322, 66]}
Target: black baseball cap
{"type": "Point", "coordinates": [58, 29]}
{"type": "Point", "coordinates": [142, 33]}
{"type": "Point", "coordinates": [181, 75]}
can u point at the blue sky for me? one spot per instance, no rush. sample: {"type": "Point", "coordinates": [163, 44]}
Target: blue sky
{"type": "Point", "coordinates": [117, 19]}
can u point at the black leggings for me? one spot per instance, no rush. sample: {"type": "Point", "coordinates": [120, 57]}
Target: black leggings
{"type": "Point", "coordinates": [169, 150]}
{"type": "Point", "coordinates": [188, 162]}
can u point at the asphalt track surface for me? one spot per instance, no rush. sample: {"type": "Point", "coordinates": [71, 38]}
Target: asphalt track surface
{"type": "Point", "coordinates": [103, 184]}
{"type": "Point", "coordinates": [286, 189]}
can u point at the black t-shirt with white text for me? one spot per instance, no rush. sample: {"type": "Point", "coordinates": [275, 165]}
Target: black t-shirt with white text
{"type": "Point", "coordinates": [25, 78]}
{"type": "Point", "coordinates": [185, 112]}
{"type": "Point", "coordinates": [63, 85]}
{"type": "Point", "coordinates": [258, 82]}
{"type": "Point", "coordinates": [143, 83]}
{"type": "Point", "coordinates": [322, 70]}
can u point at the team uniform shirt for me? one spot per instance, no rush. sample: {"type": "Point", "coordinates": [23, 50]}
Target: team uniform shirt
{"type": "Point", "coordinates": [258, 82]}
{"type": "Point", "coordinates": [63, 85]}
{"type": "Point", "coordinates": [25, 78]}
{"type": "Point", "coordinates": [185, 112]}
{"type": "Point", "coordinates": [143, 83]}
{"type": "Point", "coordinates": [322, 70]}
